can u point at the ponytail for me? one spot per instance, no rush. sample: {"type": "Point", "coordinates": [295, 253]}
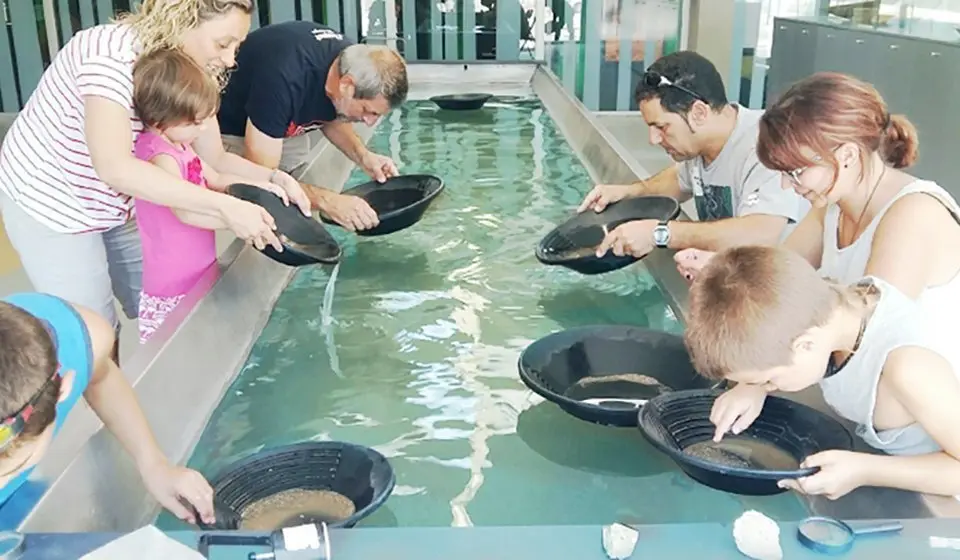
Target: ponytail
{"type": "Point", "coordinates": [900, 144]}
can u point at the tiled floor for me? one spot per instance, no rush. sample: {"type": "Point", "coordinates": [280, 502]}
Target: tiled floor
{"type": "Point", "coordinates": [9, 262]}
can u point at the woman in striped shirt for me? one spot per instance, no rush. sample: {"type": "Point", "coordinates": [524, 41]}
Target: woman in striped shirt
{"type": "Point", "coordinates": [68, 176]}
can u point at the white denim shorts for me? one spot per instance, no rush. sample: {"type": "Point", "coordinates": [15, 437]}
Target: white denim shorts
{"type": "Point", "coordinates": [86, 269]}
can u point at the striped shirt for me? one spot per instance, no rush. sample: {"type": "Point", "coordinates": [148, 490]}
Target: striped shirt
{"type": "Point", "coordinates": [45, 165]}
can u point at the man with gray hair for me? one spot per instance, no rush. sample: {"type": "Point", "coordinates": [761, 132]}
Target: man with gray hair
{"type": "Point", "coordinates": [298, 76]}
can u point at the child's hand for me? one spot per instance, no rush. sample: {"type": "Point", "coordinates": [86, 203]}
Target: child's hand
{"type": "Point", "coordinates": [841, 472]}
{"type": "Point", "coordinates": [277, 190]}
{"type": "Point", "coordinates": [172, 485]}
{"type": "Point", "coordinates": [736, 409]}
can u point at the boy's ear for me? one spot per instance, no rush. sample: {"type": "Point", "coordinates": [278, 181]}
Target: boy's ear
{"type": "Point", "coordinates": [66, 385]}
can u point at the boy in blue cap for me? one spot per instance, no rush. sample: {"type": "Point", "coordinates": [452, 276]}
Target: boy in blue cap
{"type": "Point", "coordinates": [54, 352]}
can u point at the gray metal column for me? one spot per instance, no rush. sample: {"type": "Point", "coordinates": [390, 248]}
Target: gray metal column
{"type": "Point", "coordinates": [592, 53]}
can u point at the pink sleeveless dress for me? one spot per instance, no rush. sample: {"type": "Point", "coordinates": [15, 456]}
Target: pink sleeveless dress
{"type": "Point", "coordinates": [175, 255]}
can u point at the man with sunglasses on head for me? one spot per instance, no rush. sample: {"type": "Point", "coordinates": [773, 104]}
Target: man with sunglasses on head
{"type": "Point", "coordinates": [52, 354]}
{"type": "Point", "coordinates": [713, 142]}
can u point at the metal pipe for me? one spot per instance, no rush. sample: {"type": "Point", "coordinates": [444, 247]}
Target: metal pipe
{"type": "Point", "coordinates": [685, 24]}
{"type": "Point", "coordinates": [539, 30]}
{"type": "Point", "coordinates": [50, 23]}
{"type": "Point", "coordinates": [390, 6]}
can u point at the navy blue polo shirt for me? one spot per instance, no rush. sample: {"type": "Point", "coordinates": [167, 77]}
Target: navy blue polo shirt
{"type": "Point", "coordinates": [279, 82]}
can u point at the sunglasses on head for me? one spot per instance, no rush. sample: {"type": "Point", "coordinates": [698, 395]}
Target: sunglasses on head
{"type": "Point", "coordinates": [12, 426]}
{"type": "Point", "coordinates": [656, 80]}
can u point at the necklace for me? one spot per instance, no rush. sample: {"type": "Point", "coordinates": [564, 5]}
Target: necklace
{"type": "Point", "coordinates": [833, 368]}
{"type": "Point", "coordinates": [856, 227]}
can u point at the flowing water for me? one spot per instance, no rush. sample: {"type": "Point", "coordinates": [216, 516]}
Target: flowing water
{"type": "Point", "coordinates": [326, 310]}
{"type": "Point", "coordinates": [326, 320]}
{"type": "Point", "coordinates": [430, 322]}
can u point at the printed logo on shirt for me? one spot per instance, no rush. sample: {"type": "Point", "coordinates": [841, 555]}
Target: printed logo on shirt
{"type": "Point", "coordinates": [321, 34]}
{"type": "Point", "coordinates": [294, 129]}
{"type": "Point", "coordinates": [752, 199]}
{"type": "Point", "coordinates": [716, 203]}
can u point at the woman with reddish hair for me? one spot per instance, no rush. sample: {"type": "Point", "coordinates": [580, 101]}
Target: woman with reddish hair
{"type": "Point", "coordinates": [838, 146]}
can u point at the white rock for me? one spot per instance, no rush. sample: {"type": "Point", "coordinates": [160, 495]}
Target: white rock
{"type": "Point", "coordinates": [757, 536]}
{"type": "Point", "coordinates": [619, 540]}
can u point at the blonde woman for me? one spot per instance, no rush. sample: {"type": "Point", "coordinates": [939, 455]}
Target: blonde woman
{"type": "Point", "coordinates": [68, 176]}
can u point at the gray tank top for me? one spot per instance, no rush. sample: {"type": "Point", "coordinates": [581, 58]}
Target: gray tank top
{"type": "Point", "coordinates": [852, 392]}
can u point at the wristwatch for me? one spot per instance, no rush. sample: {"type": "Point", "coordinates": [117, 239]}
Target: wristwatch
{"type": "Point", "coordinates": [661, 235]}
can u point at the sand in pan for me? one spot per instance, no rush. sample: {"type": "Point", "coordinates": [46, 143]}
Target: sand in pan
{"type": "Point", "coordinates": [581, 252]}
{"type": "Point", "coordinates": [292, 507]}
{"type": "Point", "coordinates": [744, 452]}
{"type": "Point", "coordinates": [578, 253]}
{"type": "Point", "coordinates": [619, 386]}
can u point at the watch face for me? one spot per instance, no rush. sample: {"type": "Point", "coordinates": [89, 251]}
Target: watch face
{"type": "Point", "coordinates": [661, 235]}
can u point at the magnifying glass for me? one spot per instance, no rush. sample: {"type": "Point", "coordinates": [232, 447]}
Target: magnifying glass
{"type": "Point", "coordinates": [832, 536]}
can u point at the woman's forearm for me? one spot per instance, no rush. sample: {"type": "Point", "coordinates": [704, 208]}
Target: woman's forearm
{"type": "Point", "coordinates": [114, 402]}
{"type": "Point", "coordinates": [145, 181]}
{"type": "Point", "coordinates": [240, 166]}
{"type": "Point", "coordinates": [201, 221]}
{"type": "Point", "coordinates": [221, 181]}
{"type": "Point", "coordinates": [209, 146]}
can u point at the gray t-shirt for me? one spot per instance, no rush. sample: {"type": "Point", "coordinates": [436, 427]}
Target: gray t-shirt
{"type": "Point", "coordinates": [736, 183]}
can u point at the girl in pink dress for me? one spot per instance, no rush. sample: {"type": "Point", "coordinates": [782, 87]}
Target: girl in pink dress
{"type": "Point", "coordinates": [174, 98]}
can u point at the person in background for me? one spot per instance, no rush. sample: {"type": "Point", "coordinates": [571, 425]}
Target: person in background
{"type": "Point", "coordinates": [68, 175]}
{"type": "Point", "coordinates": [298, 76]}
{"type": "Point", "coordinates": [763, 317]}
{"type": "Point", "coordinates": [174, 98]}
{"type": "Point", "coordinates": [739, 201]}
{"type": "Point", "coordinates": [54, 352]}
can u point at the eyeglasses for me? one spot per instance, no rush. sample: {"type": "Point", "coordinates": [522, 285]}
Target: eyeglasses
{"type": "Point", "coordinates": [796, 173]}
{"type": "Point", "coordinates": [657, 80]}
{"type": "Point", "coordinates": [12, 426]}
